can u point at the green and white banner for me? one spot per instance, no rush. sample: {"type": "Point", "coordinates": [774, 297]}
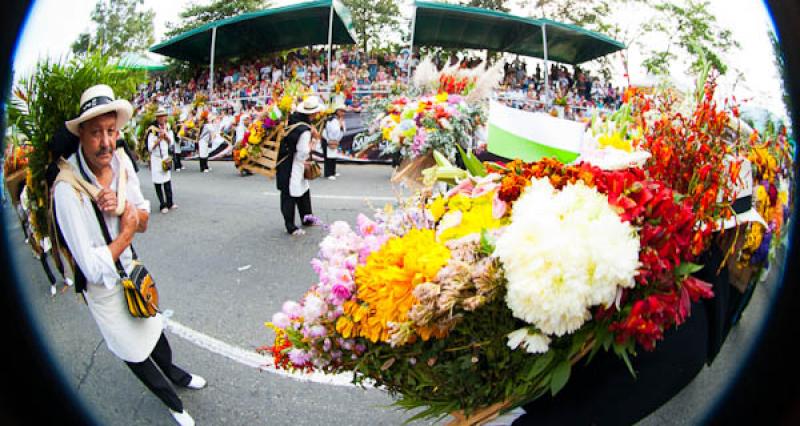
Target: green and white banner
{"type": "Point", "coordinates": [531, 136]}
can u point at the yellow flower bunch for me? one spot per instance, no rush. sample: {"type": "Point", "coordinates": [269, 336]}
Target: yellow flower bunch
{"type": "Point", "coordinates": [764, 161]}
{"type": "Point", "coordinates": [465, 216]}
{"type": "Point", "coordinates": [386, 281]}
{"type": "Point", "coordinates": [285, 104]}
{"type": "Point", "coordinates": [256, 133]}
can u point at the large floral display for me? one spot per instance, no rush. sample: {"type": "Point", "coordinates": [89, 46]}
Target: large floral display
{"type": "Point", "coordinates": [442, 111]}
{"type": "Point", "coordinates": [483, 297]}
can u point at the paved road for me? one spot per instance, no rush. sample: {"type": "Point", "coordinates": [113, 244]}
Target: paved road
{"type": "Point", "coordinates": [226, 222]}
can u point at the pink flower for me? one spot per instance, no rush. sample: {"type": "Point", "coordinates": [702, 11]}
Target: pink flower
{"type": "Point", "coordinates": [464, 187]}
{"type": "Point", "coordinates": [280, 320]}
{"type": "Point", "coordinates": [292, 309]}
{"type": "Point", "coordinates": [366, 226]}
{"type": "Point", "coordinates": [483, 188]}
{"type": "Point", "coordinates": [316, 265]}
{"type": "Point", "coordinates": [317, 331]}
{"type": "Point", "coordinates": [339, 229]}
{"type": "Point", "coordinates": [499, 207]}
{"type": "Point", "coordinates": [299, 357]}
{"type": "Point", "coordinates": [341, 291]}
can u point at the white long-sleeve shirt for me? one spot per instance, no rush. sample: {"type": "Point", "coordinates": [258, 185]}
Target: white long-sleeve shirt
{"type": "Point", "coordinates": [298, 184]}
{"type": "Point", "coordinates": [131, 339]}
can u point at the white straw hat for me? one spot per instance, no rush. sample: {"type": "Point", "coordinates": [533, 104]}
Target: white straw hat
{"type": "Point", "coordinates": [311, 105]}
{"type": "Point", "coordinates": [96, 101]}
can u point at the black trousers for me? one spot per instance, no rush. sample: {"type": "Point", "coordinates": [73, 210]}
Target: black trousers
{"type": "Point", "coordinates": [330, 162]}
{"type": "Point", "coordinates": [153, 370]}
{"type": "Point", "coordinates": [288, 205]}
{"type": "Point", "coordinates": [46, 266]}
{"type": "Point", "coordinates": [167, 190]}
{"type": "Point", "coordinates": [176, 161]}
{"type": "Point", "coordinates": [203, 163]}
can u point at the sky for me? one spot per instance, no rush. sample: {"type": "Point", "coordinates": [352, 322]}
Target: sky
{"type": "Point", "coordinates": [53, 25]}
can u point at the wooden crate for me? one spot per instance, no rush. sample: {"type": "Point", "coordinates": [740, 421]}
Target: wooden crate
{"type": "Point", "coordinates": [266, 163]}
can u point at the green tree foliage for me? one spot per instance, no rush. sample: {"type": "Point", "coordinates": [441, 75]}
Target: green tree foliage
{"type": "Point", "coordinates": [690, 31]}
{"type": "Point", "coordinates": [197, 15]}
{"type": "Point", "coordinates": [121, 26]}
{"type": "Point", "coordinates": [373, 18]}
{"type": "Point", "coordinates": [42, 103]}
{"type": "Point", "coordinates": [780, 63]}
{"type": "Point", "coordinates": [501, 5]}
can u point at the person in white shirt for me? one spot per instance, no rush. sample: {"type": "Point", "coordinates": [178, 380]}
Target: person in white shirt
{"type": "Point", "coordinates": [207, 135]}
{"type": "Point", "coordinates": [102, 258]}
{"type": "Point", "coordinates": [159, 139]}
{"type": "Point", "coordinates": [295, 151]}
{"type": "Point", "coordinates": [333, 133]}
{"type": "Point", "coordinates": [241, 129]}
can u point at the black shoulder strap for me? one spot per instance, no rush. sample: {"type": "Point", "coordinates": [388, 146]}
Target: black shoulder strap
{"type": "Point", "coordinates": [103, 226]}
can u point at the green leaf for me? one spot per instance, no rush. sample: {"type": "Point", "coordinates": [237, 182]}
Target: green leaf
{"type": "Point", "coordinates": [474, 166]}
{"type": "Point", "coordinates": [687, 268]}
{"type": "Point", "coordinates": [560, 376]}
{"type": "Point", "coordinates": [540, 365]}
{"type": "Point", "coordinates": [622, 352]}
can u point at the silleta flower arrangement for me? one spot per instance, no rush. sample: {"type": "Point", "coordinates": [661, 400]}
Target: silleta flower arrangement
{"type": "Point", "coordinates": [488, 294]}
{"type": "Point", "coordinates": [441, 112]}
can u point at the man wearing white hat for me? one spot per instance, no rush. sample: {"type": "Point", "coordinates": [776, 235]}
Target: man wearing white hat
{"type": "Point", "coordinates": [333, 133]}
{"type": "Point", "coordinates": [295, 151]}
{"type": "Point", "coordinates": [102, 256]}
{"type": "Point", "coordinates": [159, 140]}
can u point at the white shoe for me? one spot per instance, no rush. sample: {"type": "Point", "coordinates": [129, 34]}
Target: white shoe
{"type": "Point", "coordinates": [331, 177]}
{"type": "Point", "coordinates": [298, 232]}
{"type": "Point", "coordinates": [52, 290]}
{"type": "Point", "coordinates": [174, 206]}
{"type": "Point", "coordinates": [183, 418]}
{"type": "Point", "coordinates": [206, 170]}
{"type": "Point", "coordinates": [197, 382]}
{"type": "Point", "coordinates": [338, 174]}
{"type": "Point", "coordinates": [165, 210]}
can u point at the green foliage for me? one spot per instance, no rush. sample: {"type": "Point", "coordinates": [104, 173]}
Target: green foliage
{"type": "Point", "coordinates": [471, 369]}
{"type": "Point", "coordinates": [501, 5]}
{"type": "Point", "coordinates": [197, 15]}
{"type": "Point", "coordinates": [780, 63]}
{"type": "Point", "coordinates": [372, 18]}
{"type": "Point", "coordinates": [121, 27]}
{"type": "Point", "coordinates": [691, 30]}
{"type": "Point", "coordinates": [45, 100]}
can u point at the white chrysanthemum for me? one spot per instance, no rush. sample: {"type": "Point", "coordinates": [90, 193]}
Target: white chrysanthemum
{"type": "Point", "coordinates": [563, 253]}
{"type": "Point", "coordinates": [535, 343]}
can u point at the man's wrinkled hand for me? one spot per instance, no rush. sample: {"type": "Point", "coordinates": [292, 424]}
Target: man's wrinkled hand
{"type": "Point", "coordinates": [107, 200]}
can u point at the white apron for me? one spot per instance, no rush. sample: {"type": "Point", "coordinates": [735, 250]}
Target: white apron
{"type": "Point", "coordinates": [157, 173]}
{"type": "Point", "coordinates": [298, 184]}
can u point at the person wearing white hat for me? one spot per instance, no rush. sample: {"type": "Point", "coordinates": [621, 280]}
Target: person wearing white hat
{"type": "Point", "coordinates": [295, 150]}
{"type": "Point", "coordinates": [159, 140]}
{"type": "Point", "coordinates": [333, 133]}
{"type": "Point", "coordinates": [102, 256]}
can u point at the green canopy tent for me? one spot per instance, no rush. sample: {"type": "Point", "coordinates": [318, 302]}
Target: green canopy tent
{"type": "Point", "coordinates": [462, 27]}
{"type": "Point", "coordinates": [305, 24]}
{"type": "Point", "coordinates": [136, 61]}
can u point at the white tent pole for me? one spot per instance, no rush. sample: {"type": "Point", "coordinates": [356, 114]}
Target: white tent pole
{"type": "Point", "coordinates": [211, 67]}
{"type": "Point", "coordinates": [330, 49]}
{"type": "Point", "coordinates": [411, 48]}
{"type": "Point", "coordinates": [546, 67]}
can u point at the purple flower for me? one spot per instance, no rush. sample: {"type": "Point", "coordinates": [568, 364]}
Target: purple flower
{"type": "Point", "coordinates": [280, 319]}
{"type": "Point", "coordinates": [360, 348]}
{"type": "Point", "coordinates": [317, 331]}
{"type": "Point", "coordinates": [292, 309]}
{"type": "Point", "coordinates": [326, 345]}
{"type": "Point", "coordinates": [299, 357]}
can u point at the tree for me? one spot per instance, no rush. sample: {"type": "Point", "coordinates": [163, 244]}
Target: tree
{"type": "Point", "coordinates": [121, 27]}
{"type": "Point", "coordinates": [373, 18]}
{"type": "Point", "coordinates": [691, 30]}
{"type": "Point", "coordinates": [196, 15]}
{"type": "Point", "coordinates": [780, 64]}
{"type": "Point", "coordinates": [499, 5]}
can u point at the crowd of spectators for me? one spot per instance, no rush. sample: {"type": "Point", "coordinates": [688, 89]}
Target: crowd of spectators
{"type": "Point", "coordinates": [358, 76]}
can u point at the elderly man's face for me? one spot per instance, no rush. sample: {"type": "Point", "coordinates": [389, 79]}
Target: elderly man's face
{"type": "Point", "coordinates": [161, 119]}
{"type": "Point", "coordinates": [99, 139]}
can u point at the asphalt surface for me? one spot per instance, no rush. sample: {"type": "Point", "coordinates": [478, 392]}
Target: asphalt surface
{"type": "Point", "coordinates": [224, 264]}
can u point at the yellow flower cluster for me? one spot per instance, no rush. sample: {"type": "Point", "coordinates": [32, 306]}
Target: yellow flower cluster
{"type": "Point", "coordinates": [256, 133]}
{"type": "Point", "coordinates": [386, 281]}
{"type": "Point", "coordinates": [468, 215]}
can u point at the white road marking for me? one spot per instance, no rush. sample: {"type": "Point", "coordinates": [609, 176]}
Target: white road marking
{"type": "Point", "coordinates": [253, 359]}
{"type": "Point", "coordinates": [342, 197]}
